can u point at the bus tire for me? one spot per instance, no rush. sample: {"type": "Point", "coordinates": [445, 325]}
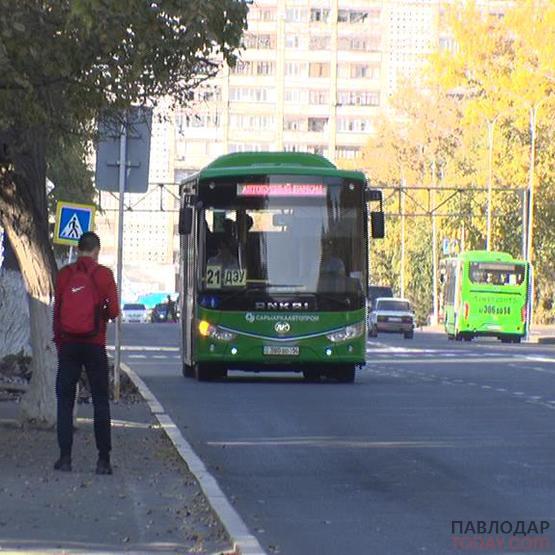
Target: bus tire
{"type": "Point", "coordinates": [408, 334]}
{"type": "Point", "coordinates": [506, 339]}
{"type": "Point", "coordinates": [311, 375]}
{"type": "Point", "coordinates": [344, 374]}
{"type": "Point", "coordinates": [516, 338]}
{"type": "Point", "coordinates": [205, 372]}
{"type": "Point", "coordinates": [188, 370]}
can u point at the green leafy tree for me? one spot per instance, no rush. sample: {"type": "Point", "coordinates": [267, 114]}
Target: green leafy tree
{"type": "Point", "coordinates": [62, 63]}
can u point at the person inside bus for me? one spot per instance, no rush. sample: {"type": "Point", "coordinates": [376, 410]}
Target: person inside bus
{"type": "Point", "coordinates": [226, 254]}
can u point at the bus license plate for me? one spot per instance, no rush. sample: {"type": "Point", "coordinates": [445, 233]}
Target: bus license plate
{"type": "Point", "coordinates": [281, 351]}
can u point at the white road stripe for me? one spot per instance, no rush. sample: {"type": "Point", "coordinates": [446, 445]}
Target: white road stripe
{"type": "Point", "coordinates": [143, 348]}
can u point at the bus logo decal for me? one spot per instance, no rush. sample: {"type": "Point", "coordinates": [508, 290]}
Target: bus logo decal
{"type": "Point", "coordinates": [282, 327]}
{"type": "Point", "coordinates": [249, 317]}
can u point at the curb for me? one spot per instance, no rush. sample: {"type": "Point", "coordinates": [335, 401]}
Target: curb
{"type": "Point", "coordinates": [244, 543]}
{"type": "Point", "coordinates": [548, 340]}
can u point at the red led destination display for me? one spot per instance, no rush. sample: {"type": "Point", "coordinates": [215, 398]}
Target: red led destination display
{"type": "Point", "coordinates": [281, 190]}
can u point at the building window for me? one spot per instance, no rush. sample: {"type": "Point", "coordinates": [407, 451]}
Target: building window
{"type": "Point", "coordinates": [292, 41]}
{"type": "Point", "coordinates": [319, 15]}
{"type": "Point", "coordinates": [318, 69]}
{"type": "Point", "coordinates": [322, 150]}
{"type": "Point", "coordinates": [265, 68]}
{"type": "Point", "coordinates": [353, 125]}
{"type": "Point", "coordinates": [293, 123]}
{"type": "Point", "coordinates": [318, 96]}
{"type": "Point", "coordinates": [251, 94]}
{"type": "Point", "coordinates": [294, 147]}
{"type": "Point", "coordinates": [247, 121]}
{"type": "Point", "coordinates": [359, 71]}
{"type": "Point", "coordinates": [359, 98]}
{"type": "Point", "coordinates": [241, 68]}
{"type": "Point", "coordinates": [343, 16]}
{"type": "Point", "coordinates": [317, 125]}
{"type": "Point", "coordinates": [320, 42]}
{"type": "Point", "coordinates": [260, 42]}
{"type": "Point", "coordinates": [295, 96]}
{"type": "Point", "coordinates": [347, 152]}
{"type": "Point", "coordinates": [295, 69]}
{"type": "Point", "coordinates": [295, 15]}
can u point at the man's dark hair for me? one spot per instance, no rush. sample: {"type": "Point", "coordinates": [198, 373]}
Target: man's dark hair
{"type": "Point", "coordinates": [88, 242]}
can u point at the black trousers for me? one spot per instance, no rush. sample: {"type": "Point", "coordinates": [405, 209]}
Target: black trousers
{"type": "Point", "coordinates": [72, 357]}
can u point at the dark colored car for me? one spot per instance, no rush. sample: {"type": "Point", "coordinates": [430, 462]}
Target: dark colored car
{"type": "Point", "coordinates": [159, 313]}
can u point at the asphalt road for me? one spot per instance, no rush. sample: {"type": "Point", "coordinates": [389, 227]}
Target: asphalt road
{"type": "Point", "coordinates": [432, 431]}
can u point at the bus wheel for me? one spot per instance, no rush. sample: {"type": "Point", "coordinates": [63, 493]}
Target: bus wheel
{"type": "Point", "coordinates": [311, 375]}
{"type": "Point", "coordinates": [409, 335]}
{"type": "Point", "coordinates": [344, 374]}
{"type": "Point", "coordinates": [506, 339]}
{"type": "Point", "coordinates": [205, 372]}
{"type": "Point", "coordinates": [188, 371]}
{"type": "Point", "coordinates": [516, 338]}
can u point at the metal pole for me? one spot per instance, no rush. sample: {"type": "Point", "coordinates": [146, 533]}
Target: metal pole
{"type": "Point", "coordinates": [402, 209]}
{"type": "Point", "coordinates": [434, 249]}
{"type": "Point", "coordinates": [524, 227]}
{"type": "Point", "coordinates": [122, 171]}
{"type": "Point", "coordinates": [70, 255]}
{"type": "Point", "coordinates": [491, 125]}
{"type": "Point", "coordinates": [530, 217]}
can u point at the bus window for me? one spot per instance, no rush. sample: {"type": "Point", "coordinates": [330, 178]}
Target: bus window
{"type": "Point", "coordinates": [497, 274]}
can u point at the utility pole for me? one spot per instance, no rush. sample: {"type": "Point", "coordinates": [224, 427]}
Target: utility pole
{"type": "Point", "coordinates": [491, 127]}
{"type": "Point", "coordinates": [402, 214]}
{"type": "Point", "coordinates": [434, 246]}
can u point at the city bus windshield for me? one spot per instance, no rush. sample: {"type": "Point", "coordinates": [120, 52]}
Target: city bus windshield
{"type": "Point", "coordinates": [495, 273]}
{"type": "Point", "coordinates": [283, 234]}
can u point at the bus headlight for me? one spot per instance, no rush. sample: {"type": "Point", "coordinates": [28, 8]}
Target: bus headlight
{"type": "Point", "coordinates": [350, 332]}
{"type": "Point", "coordinates": [206, 329]}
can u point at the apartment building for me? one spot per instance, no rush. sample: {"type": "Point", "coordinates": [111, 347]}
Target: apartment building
{"type": "Point", "coordinates": [313, 76]}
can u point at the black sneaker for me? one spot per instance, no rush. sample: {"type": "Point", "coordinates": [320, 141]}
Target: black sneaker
{"type": "Point", "coordinates": [103, 466]}
{"type": "Point", "coordinates": [63, 464]}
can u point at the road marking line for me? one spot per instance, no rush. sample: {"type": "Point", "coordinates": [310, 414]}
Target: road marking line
{"type": "Point", "coordinates": [244, 542]}
{"type": "Point", "coordinates": [160, 356]}
{"type": "Point", "coordinates": [540, 359]}
{"type": "Point", "coordinates": [518, 393]}
{"type": "Point", "coordinates": [142, 348]}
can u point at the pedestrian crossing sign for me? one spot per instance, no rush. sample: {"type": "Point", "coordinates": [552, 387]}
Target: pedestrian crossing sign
{"type": "Point", "coordinates": [72, 220]}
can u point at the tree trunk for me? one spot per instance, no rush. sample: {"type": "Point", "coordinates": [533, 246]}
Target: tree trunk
{"type": "Point", "coordinates": [24, 216]}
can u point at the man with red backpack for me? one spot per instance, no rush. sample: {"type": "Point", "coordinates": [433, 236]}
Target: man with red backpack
{"type": "Point", "coordinates": [86, 298]}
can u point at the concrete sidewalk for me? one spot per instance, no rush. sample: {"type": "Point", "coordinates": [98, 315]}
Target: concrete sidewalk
{"type": "Point", "coordinates": [538, 334]}
{"type": "Point", "coordinates": [151, 504]}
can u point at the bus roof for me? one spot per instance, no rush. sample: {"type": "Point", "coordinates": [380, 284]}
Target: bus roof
{"type": "Point", "coordinates": [487, 256]}
{"type": "Point", "coordinates": [282, 163]}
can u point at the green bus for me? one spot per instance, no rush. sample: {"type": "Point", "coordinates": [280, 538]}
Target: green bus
{"type": "Point", "coordinates": [484, 294]}
{"type": "Point", "coordinates": [273, 266]}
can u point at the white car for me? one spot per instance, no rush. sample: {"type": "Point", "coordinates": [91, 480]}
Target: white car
{"type": "Point", "coordinates": [391, 315]}
{"type": "Point", "coordinates": [134, 312]}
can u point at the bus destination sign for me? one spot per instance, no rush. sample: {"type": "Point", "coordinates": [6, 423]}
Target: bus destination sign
{"type": "Point", "coordinates": [281, 190]}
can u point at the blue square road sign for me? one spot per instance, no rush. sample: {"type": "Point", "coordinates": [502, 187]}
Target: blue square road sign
{"type": "Point", "coordinates": [72, 220]}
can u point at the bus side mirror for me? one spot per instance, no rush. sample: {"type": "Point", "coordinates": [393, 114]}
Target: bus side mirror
{"type": "Point", "coordinates": [377, 225]}
{"type": "Point", "coordinates": [185, 220]}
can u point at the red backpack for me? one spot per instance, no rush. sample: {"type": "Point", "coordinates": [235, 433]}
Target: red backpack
{"type": "Point", "coordinates": [80, 305]}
